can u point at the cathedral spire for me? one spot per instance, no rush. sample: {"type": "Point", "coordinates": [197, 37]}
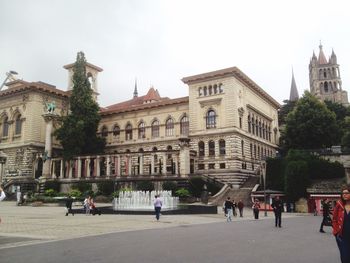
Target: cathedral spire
{"type": "Point", "coordinates": [321, 57]}
{"type": "Point", "coordinates": [294, 95]}
{"type": "Point", "coordinates": [135, 90]}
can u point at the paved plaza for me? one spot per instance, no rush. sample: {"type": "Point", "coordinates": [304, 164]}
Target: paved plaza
{"type": "Point", "coordinates": [45, 234]}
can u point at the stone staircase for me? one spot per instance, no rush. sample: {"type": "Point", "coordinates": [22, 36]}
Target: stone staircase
{"type": "Point", "coordinates": [234, 179]}
{"type": "Point", "coordinates": [243, 193]}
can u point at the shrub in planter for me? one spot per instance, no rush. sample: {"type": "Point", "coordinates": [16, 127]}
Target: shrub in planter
{"type": "Point", "coordinates": [183, 193]}
{"type": "Point", "coordinates": [170, 186]}
{"type": "Point", "coordinates": [50, 192]}
{"type": "Point", "coordinates": [75, 193]}
{"type": "Point", "coordinates": [82, 186]}
{"type": "Point", "coordinates": [55, 185]}
{"type": "Point", "coordinates": [105, 187]}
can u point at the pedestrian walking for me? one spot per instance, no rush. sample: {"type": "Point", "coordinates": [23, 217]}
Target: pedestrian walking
{"type": "Point", "coordinates": [256, 208]}
{"type": "Point", "coordinates": [229, 206]}
{"type": "Point", "coordinates": [157, 206]}
{"type": "Point", "coordinates": [240, 207]}
{"type": "Point", "coordinates": [234, 208]}
{"type": "Point", "coordinates": [277, 207]}
{"type": "Point", "coordinates": [314, 207]}
{"type": "Point", "coordinates": [326, 219]}
{"type": "Point", "coordinates": [2, 197]}
{"type": "Point", "coordinates": [87, 205]}
{"type": "Point", "coordinates": [69, 202]}
{"type": "Point", "coordinates": [341, 224]}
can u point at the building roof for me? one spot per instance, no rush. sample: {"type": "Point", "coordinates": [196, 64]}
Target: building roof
{"type": "Point", "coordinates": [68, 66]}
{"type": "Point", "coordinates": [21, 85]}
{"type": "Point", "coordinates": [321, 57]}
{"type": "Point", "coordinates": [150, 100]}
{"type": "Point", "coordinates": [238, 74]}
{"type": "Point", "coordinates": [294, 95]}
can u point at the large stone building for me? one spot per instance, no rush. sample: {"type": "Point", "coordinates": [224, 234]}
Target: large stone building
{"type": "Point", "coordinates": [223, 130]}
{"type": "Point", "coordinates": [325, 80]}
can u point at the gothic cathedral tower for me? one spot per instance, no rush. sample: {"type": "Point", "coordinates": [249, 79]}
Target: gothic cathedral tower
{"type": "Point", "coordinates": [325, 81]}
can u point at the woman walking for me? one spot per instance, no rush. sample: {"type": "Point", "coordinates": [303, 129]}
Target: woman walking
{"type": "Point", "coordinates": [256, 207]}
{"type": "Point", "coordinates": [341, 224]}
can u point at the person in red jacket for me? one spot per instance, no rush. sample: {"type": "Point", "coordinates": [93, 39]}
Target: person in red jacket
{"type": "Point", "coordinates": [341, 224]}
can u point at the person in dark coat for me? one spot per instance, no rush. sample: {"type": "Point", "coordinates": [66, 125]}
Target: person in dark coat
{"type": "Point", "coordinates": [277, 206]}
{"type": "Point", "coordinates": [341, 224]}
{"type": "Point", "coordinates": [326, 215]}
{"type": "Point", "coordinates": [69, 203]}
{"type": "Point", "coordinates": [240, 207]}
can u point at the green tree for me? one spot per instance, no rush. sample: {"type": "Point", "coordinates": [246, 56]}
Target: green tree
{"type": "Point", "coordinates": [345, 141]}
{"type": "Point", "coordinates": [311, 125]}
{"type": "Point", "coordinates": [78, 133]}
{"type": "Point", "coordinates": [296, 180]}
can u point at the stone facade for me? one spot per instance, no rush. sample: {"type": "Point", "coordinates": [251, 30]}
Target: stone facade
{"type": "Point", "coordinates": [227, 124]}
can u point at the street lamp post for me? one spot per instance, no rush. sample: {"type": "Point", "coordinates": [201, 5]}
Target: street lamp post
{"type": "Point", "coordinates": [263, 170]}
{"type": "Point", "coordinates": [8, 75]}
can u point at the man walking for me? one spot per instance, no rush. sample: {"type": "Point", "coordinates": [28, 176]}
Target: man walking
{"type": "Point", "coordinates": [240, 207]}
{"type": "Point", "coordinates": [69, 203]}
{"type": "Point", "coordinates": [229, 206]}
{"type": "Point", "coordinates": [277, 206]}
{"type": "Point", "coordinates": [157, 206]}
{"type": "Point", "coordinates": [2, 196]}
{"type": "Point", "coordinates": [326, 220]}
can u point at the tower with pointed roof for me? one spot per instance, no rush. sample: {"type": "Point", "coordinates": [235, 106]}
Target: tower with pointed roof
{"type": "Point", "coordinates": [135, 90]}
{"type": "Point", "coordinates": [325, 81]}
{"type": "Point", "coordinates": [294, 95]}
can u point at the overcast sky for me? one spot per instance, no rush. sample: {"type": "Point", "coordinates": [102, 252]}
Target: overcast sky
{"type": "Point", "coordinates": [160, 42]}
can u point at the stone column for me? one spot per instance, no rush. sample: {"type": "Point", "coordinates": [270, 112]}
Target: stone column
{"type": "Point", "coordinates": [97, 165]}
{"type": "Point", "coordinates": [141, 164]}
{"type": "Point", "coordinates": [61, 170]}
{"type": "Point", "coordinates": [164, 164]}
{"type": "Point", "coordinates": [87, 163]}
{"type": "Point", "coordinates": [152, 164]}
{"type": "Point", "coordinates": [79, 167]}
{"type": "Point", "coordinates": [108, 166]}
{"type": "Point", "coordinates": [129, 165]}
{"type": "Point", "coordinates": [118, 166]}
{"type": "Point", "coordinates": [53, 169]}
{"type": "Point", "coordinates": [184, 157]}
{"type": "Point", "coordinates": [70, 169]}
{"type": "Point", "coordinates": [49, 118]}
{"type": "Point", "coordinates": [176, 160]}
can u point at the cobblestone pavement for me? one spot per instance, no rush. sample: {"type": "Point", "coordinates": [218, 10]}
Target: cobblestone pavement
{"type": "Point", "coordinates": [22, 225]}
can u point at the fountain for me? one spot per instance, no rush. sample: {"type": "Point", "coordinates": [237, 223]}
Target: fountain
{"type": "Point", "coordinates": [143, 201]}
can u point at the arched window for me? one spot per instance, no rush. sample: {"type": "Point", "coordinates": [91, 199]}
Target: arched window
{"type": "Point", "coordinates": [260, 129]}
{"type": "Point", "coordinates": [220, 88]}
{"type": "Point", "coordinates": [116, 131]}
{"type": "Point", "coordinates": [253, 125]}
{"type": "Point", "coordinates": [211, 119]}
{"type": "Point", "coordinates": [155, 129]}
{"type": "Point", "coordinates": [200, 91]}
{"type": "Point", "coordinates": [222, 147]}
{"type": "Point", "coordinates": [215, 89]}
{"type": "Point", "coordinates": [142, 130]}
{"type": "Point", "coordinates": [169, 127]}
{"type": "Point", "coordinates": [169, 148]}
{"type": "Point", "coordinates": [104, 131]}
{"type": "Point", "coordinates": [128, 132]}
{"type": "Point", "coordinates": [324, 73]}
{"type": "Point", "coordinates": [211, 146]}
{"type": "Point", "coordinates": [205, 91]}
{"type": "Point", "coordinates": [18, 125]}
{"type": "Point", "coordinates": [5, 127]}
{"type": "Point", "coordinates": [201, 150]}
{"type": "Point", "coordinates": [256, 127]}
{"type": "Point", "coordinates": [141, 150]}
{"type": "Point", "coordinates": [210, 90]}
{"type": "Point", "coordinates": [184, 125]}
{"type": "Point", "coordinates": [326, 87]}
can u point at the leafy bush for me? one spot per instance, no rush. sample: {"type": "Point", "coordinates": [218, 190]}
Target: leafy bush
{"type": "Point", "coordinates": [145, 186]}
{"type": "Point", "coordinates": [182, 192]}
{"type": "Point", "coordinates": [75, 193]}
{"type": "Point", "coordinates": [105, 187]}
{"type": "Point", "coordinates": [296, 180]}
{"type": "Point", "coordinates": [170, 186]}
{"type": "Point", "coordinates": [82, 186]}
{"type": "Point", "coordinates": [115, 194]}
{"type": "Point", "coordinates": [55, 185]}
{"type": "Point", "coordinates": [50, 192]}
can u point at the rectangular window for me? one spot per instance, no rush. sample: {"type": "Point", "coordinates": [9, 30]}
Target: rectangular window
{"type": "Point", "coordinates": [222, 165]}
{"type": "Point", "coordinates": [201, 166]}
{"type": "Point", "coordinates": [212, 166]}
{"type": "Point", "coordinates": [240, 122]}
